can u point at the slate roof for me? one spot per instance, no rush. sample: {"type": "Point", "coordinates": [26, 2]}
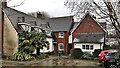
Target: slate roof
{"type": "Point", "coordinates": [60, 23]}
{"type": "Point", "coordinates": [13, 14]}
{"type": "Point", "coordinates": [89, 38]}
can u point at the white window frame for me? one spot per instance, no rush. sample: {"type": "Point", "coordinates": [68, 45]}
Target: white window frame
{"type": "Point", "coordinates": [88, 47]}
{"type": "Point", "coordinates": [59, 46]}
{"type": "Point", "coordinates": [25, 26]}
{"type": "Point", "coordinates": [61, 35]}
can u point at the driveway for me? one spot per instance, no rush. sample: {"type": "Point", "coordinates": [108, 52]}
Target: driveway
{"type": "Point", "coordinates": [52, 61]}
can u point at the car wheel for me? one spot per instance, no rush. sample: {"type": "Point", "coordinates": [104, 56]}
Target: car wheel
{"type": "Point", "coordinates": [113, 66]}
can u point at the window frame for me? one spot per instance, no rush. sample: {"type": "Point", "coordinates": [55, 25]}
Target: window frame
{"type": "Point", "coordinates": [91, 48]}
{"type": "Point", "coordinates": [61, 35]}
{"type": "Point", "coordinates": [88, 47]}
{"type": "Point", "coordinates": [25, 26]}
{"type": "Point", "coordinates": [59, 46]}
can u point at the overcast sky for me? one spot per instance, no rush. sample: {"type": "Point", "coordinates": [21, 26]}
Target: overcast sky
{"type": "Point", "coordinates": [53, 7]}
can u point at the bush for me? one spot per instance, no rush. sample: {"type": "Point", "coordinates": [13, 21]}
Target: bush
{"type": "Point", "coordinates": [76, 53]}
{"type": "Point", "coordinates": [87, 55]}
{"type": "Point", "coordinates": [21, 57]}
{"type": "Point", "coordinates": [96, 52]}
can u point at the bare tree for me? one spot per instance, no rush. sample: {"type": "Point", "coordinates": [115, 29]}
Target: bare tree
{"type": "Point", "coordinates": [103, 9]}
{"type": "Point", "coordinates": [16, 5]}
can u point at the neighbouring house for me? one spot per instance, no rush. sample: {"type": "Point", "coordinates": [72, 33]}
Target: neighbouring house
{"type": "Point", "coordinates": [61, 26]}
{"type": "Point", "coordinates": [15, 21]}
{"type": "Point", "coordinates": [87, 35]}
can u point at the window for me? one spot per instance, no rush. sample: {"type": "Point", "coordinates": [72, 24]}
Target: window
{"type": "Point", "coordinates": [87, 47]}
{"type": "Point", "coordinates": [25, 27]}
{"type": "Point", "coordinates": [48, 47]}
{"type": "Point", "coordinates": [61, 46]}
{"type": "Point", "coordinates": [91, 47]}
{"type": "Point", "coordinates": [83, 46]}
{"type": "Point", "coordinates": [21, 19]}
{"type": "Point", "coordinates": [61, 34]}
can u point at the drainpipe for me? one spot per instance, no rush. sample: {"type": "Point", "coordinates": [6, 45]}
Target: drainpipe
{"type": "Point", "coordinates": [1, 32]}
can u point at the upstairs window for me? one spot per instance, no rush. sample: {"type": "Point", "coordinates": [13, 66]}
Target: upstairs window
{"type": "Point", "coordinates": [20, 19]}
{"type": "Point", "coordinates": [61, 34]}
{"type": "Point", "coordinates": [25, 26]}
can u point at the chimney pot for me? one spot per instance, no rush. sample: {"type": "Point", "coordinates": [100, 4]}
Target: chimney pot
{"type": "Point", "coordinates": [4, 3]}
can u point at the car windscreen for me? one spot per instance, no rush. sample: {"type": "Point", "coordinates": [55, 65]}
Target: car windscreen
{"type": "Point", "coordinates": [110, 54]}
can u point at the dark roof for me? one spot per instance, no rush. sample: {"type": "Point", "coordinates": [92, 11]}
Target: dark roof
{"type": "Point", "coordinates": [74, 25]}
{"type": "Point", "coordinates": [60, 23]}
{"type": "Point", "coordinates": [13, 14]}
{"type": "Point", "coordinates": [89, 38]}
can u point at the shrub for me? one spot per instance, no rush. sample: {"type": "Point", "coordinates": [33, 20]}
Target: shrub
{"type": "Point", "coordinates": [87, 55]}
{"type": "Point", "coordinates": [96, 52]}
{"type": "Point", "coordinates": [76, 53]}
{"type": "Point", "coordinates": [21, 57]}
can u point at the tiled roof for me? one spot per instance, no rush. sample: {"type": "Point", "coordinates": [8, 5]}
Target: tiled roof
{"type": "Point", "coordinates": [13, 14]}
{"type": "Point", "coordinates": [60, 23]}
{"type": "Point", "coordinates": [89, 38]}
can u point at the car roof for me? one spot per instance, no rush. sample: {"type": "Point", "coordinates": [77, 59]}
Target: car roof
{"type": "Point", "coordinates": [113, 52]}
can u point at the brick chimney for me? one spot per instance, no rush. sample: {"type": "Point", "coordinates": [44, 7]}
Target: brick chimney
{"type": "Point", "coordinates": [4, 3]}
{"type": "Point", "coordinates": [39, 15]}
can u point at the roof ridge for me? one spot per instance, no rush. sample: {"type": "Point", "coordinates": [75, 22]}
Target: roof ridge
{"type": "Point", "coordinates": [22, 12]}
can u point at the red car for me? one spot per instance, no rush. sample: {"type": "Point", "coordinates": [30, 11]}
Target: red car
{"type": "Point", "coordinates": [102, 55]}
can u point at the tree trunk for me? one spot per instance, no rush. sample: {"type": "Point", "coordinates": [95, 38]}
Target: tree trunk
{"type": "Point", "coordinates": [38, 51]}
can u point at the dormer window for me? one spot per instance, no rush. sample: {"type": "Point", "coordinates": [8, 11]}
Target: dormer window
{"type": "Point", "coordinates": [25, 26]}
{"type": "Point", "coordinates": [20, 19]}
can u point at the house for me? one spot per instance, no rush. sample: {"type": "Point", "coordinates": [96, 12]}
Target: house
{"type": "Point", "coordinates": [87, 35]}
{"type": "Point", "coordinates": [61, 26]}
{"type": "Point", "coordinates": [15, 21]}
